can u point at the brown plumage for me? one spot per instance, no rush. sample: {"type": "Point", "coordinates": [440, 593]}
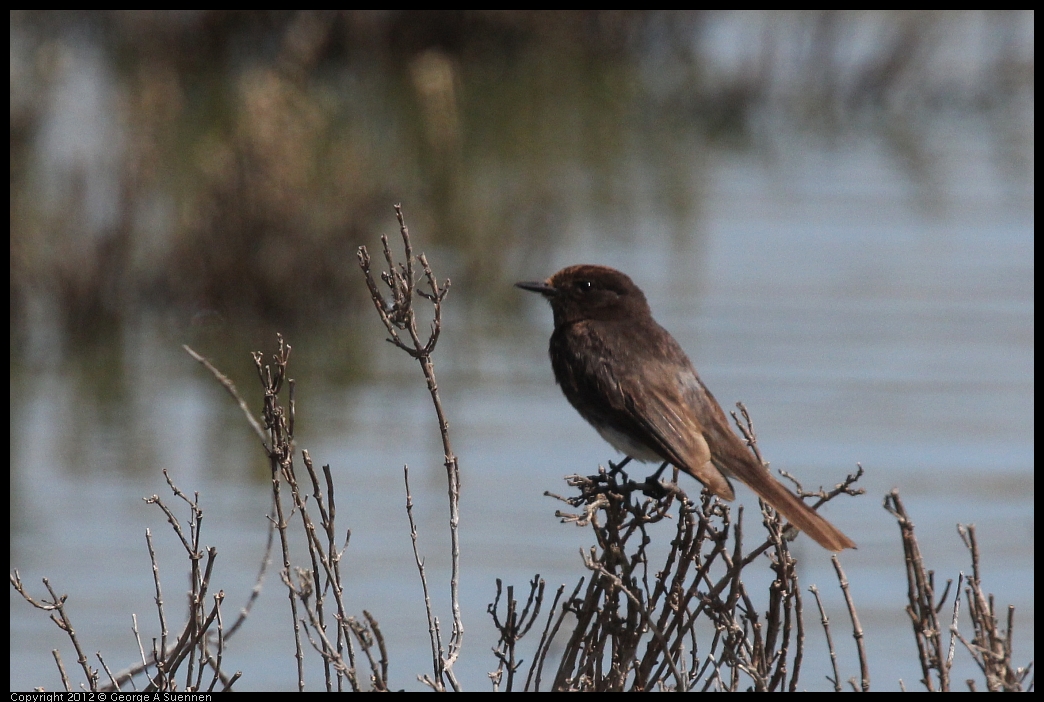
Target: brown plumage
{"type": "Point", "coordinates": [631, 380]}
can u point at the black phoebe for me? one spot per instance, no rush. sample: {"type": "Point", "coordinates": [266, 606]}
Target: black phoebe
{"type": "Point", "coordinates": [631, 380]}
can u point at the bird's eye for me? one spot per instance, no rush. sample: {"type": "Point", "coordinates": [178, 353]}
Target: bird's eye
{"type": "Point", "coordinates": [584, 285]}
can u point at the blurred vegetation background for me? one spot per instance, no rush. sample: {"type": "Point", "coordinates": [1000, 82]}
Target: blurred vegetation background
{"type": "Point", "coordinates": [831, 210]}
{"type": "Point", "coordinates": [214, 168]}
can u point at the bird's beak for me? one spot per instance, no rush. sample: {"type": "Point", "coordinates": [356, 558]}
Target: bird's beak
{"type": "Point", "coordinates": [541, 287]}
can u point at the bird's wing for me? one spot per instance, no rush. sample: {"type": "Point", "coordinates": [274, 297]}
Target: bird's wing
{"type": "Point", "coordinates": [666, 411]}
{"type": "Point", "coordinates": [650, 398]}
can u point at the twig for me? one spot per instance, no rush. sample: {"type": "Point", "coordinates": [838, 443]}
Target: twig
{"type": "Point", "coordinates": [397, 313]}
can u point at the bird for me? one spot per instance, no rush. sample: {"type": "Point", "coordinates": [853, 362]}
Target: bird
{"type": "Point", "coordinates": [629, 378]}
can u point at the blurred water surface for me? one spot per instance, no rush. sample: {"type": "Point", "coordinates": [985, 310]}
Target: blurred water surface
{"type": "Point", "coordinates": [865, 289]}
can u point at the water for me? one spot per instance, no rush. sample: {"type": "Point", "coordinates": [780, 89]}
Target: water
{"type": "Point", "coordinates": [856, 327]}
{"type": "Point", "coordinates": [867, 295]}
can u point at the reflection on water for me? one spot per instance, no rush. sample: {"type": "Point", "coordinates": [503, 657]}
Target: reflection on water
{"type": "Point", "coordinates": [867, 294]}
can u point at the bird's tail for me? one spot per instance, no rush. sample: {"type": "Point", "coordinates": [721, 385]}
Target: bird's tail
{"type": "Point", "coordinates": [799, 514]}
